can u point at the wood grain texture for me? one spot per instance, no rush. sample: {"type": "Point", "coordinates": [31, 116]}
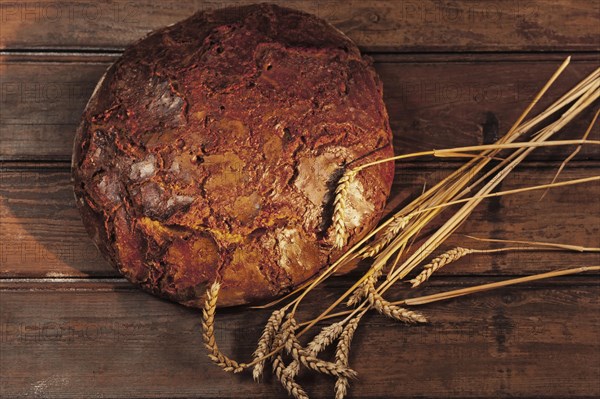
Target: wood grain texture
{"type": "Point", "coordinates": [433, 102]}
{"type": "Point", "coordinates": [375, 25]}
{"type": "Point", "coordinates": [454, 73]}
{"type": "Point", "coordinates": [42, 234]}
{"type": "Point", "coordinates": [72, 339]}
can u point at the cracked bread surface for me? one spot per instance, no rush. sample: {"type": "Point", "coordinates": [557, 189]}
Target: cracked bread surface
{"type": "Point", "coordinates": [212, 147]}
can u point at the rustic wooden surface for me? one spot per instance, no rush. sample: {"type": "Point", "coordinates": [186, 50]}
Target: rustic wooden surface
{"type": "Point", "coordinates": [455, 73]}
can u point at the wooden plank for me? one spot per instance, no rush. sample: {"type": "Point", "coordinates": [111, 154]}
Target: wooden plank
{"type": "Point", "coordinates": [375, 25]}
{"type": "Point", "coordinates": [41, 106]}
{"type": "Point", "coordinates": [433, 101]}
{"type": "Point", "coordinates": [42, 235]}
{"type": "Point", "coordinates": [86, 339]}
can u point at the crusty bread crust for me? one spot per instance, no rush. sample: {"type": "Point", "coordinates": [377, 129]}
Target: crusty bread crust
{"type": "Point", "coordinates": [211, 150]}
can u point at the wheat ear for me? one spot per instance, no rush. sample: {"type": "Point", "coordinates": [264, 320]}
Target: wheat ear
{"type": "Point", "coordinates": [363, 289]}
{"type": "Point", "coordinates": [302, 356]}
{"type": "Point", "coordinates": [392, 230]}
{"type": "Point", "coordinates": [357, 296]}
{"type": "Point", "coordinates": [208, 335]}
{"type": "Point", "coordinates": [339, 208]}
{"type": "Point", "coordinates": [387, 308]}
{"type": "Point", "coordinates": [324, 338]}
{"type": "Point", "coordinates": [265, 343]}
{"type": "Point", "coordinates": [287, 380]}
{"type": "Point", "coordinates": [342, 353]}
{"type": "Point", "coordinates": [437, 263]}
{"type": "Point", "coordinates": [321, 341]}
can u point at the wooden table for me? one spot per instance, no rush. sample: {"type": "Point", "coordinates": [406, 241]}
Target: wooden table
{"type": "Point", "coordinates": [455, 73]}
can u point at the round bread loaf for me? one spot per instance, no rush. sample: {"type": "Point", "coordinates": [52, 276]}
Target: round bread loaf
{"type": "Point", "coordinates": [212, 147]}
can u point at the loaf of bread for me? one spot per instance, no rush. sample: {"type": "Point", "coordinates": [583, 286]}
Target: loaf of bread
{"type": "Point", "coordinates": [212, 147]}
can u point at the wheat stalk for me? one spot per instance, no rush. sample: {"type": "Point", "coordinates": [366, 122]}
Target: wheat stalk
{"type": "Point", "coordinates": [422, 300]}
{"type": "Point", "coordinates": [362, 290]}
{"type": "Point", "coordinates": [388, 309]}
{"type": "Point", "coordinates": [339, 208]}
{"type": "Point", "coordinates": [456, 253]}
{"type": "Point", "coordinates": [457, 184]}
{"type": "Point", "coordinates": [397, 224]}
{"type": "Point", "coordinates": [342, 353]}
{"type": "Point", "coordinates": [321, 341]}
{"type": "Point", "coordinates": [438, 262]}
{"type": "Point", "coordinates": [265, 343]}
{"type": "Point", "coordinates": [490, 286]}
{"type": "Point", "coordinates": [286, 380]}
{"type": "Point", "coordinates": [357, 295]}
{"type": "Point", "coordinates": [208, 326]}
{"type": "Point", "coordinates": [574, 153]}
{"type": "Point", "coordinates": [541, 244]}
{"type": "Point", "coordinates": [587, 97]}
{"type": "Point", "coordinates": [302, 356]}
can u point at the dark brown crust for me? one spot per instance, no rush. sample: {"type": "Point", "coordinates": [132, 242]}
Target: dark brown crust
{"type": "Point", "coordinates": [211, 149]}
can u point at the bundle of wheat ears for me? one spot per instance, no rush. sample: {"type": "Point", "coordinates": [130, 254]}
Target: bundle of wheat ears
{"type": "Point", "coordinates": [388, 247]}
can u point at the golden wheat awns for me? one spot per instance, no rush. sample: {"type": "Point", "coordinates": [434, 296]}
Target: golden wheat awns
{"type": "Point", "coordinates": [339, 208]}
{"type": "Point", "coordinates": [208, 326]}
{"type": "Point", "coordinates": [439, 262]}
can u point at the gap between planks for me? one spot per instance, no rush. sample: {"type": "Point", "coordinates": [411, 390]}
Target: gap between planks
{"type": "Point", "coordinates": [54, 55]}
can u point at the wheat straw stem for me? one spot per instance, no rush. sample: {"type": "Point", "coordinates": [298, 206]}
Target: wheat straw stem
{"type": "Point", "coordinates": [565, 99]}
{"type": "Point", "coordinates": [539, 95]}
{"type": "Point", "coordinates": [577, 248]}
{"type": "Point", "coordinates": [586, 86]}
{"type": "Point", "coordinates": [483, 147]}
{"type": "Point", "coordinates": [422, 300]}
{"type": "Point", "coordinates": [208, 326]}
{"type": "Point", "coordinates": [453, 223]}
{"type": "Point", "coordinates": [486, 287]}
{"type": "Point", "coordinates": [509, 192]}
{"type": "Point", "coordinates": [574, 153]}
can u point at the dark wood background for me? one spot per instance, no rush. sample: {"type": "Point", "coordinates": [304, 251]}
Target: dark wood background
{"type": "Point", "coordinates": [454, 72]}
